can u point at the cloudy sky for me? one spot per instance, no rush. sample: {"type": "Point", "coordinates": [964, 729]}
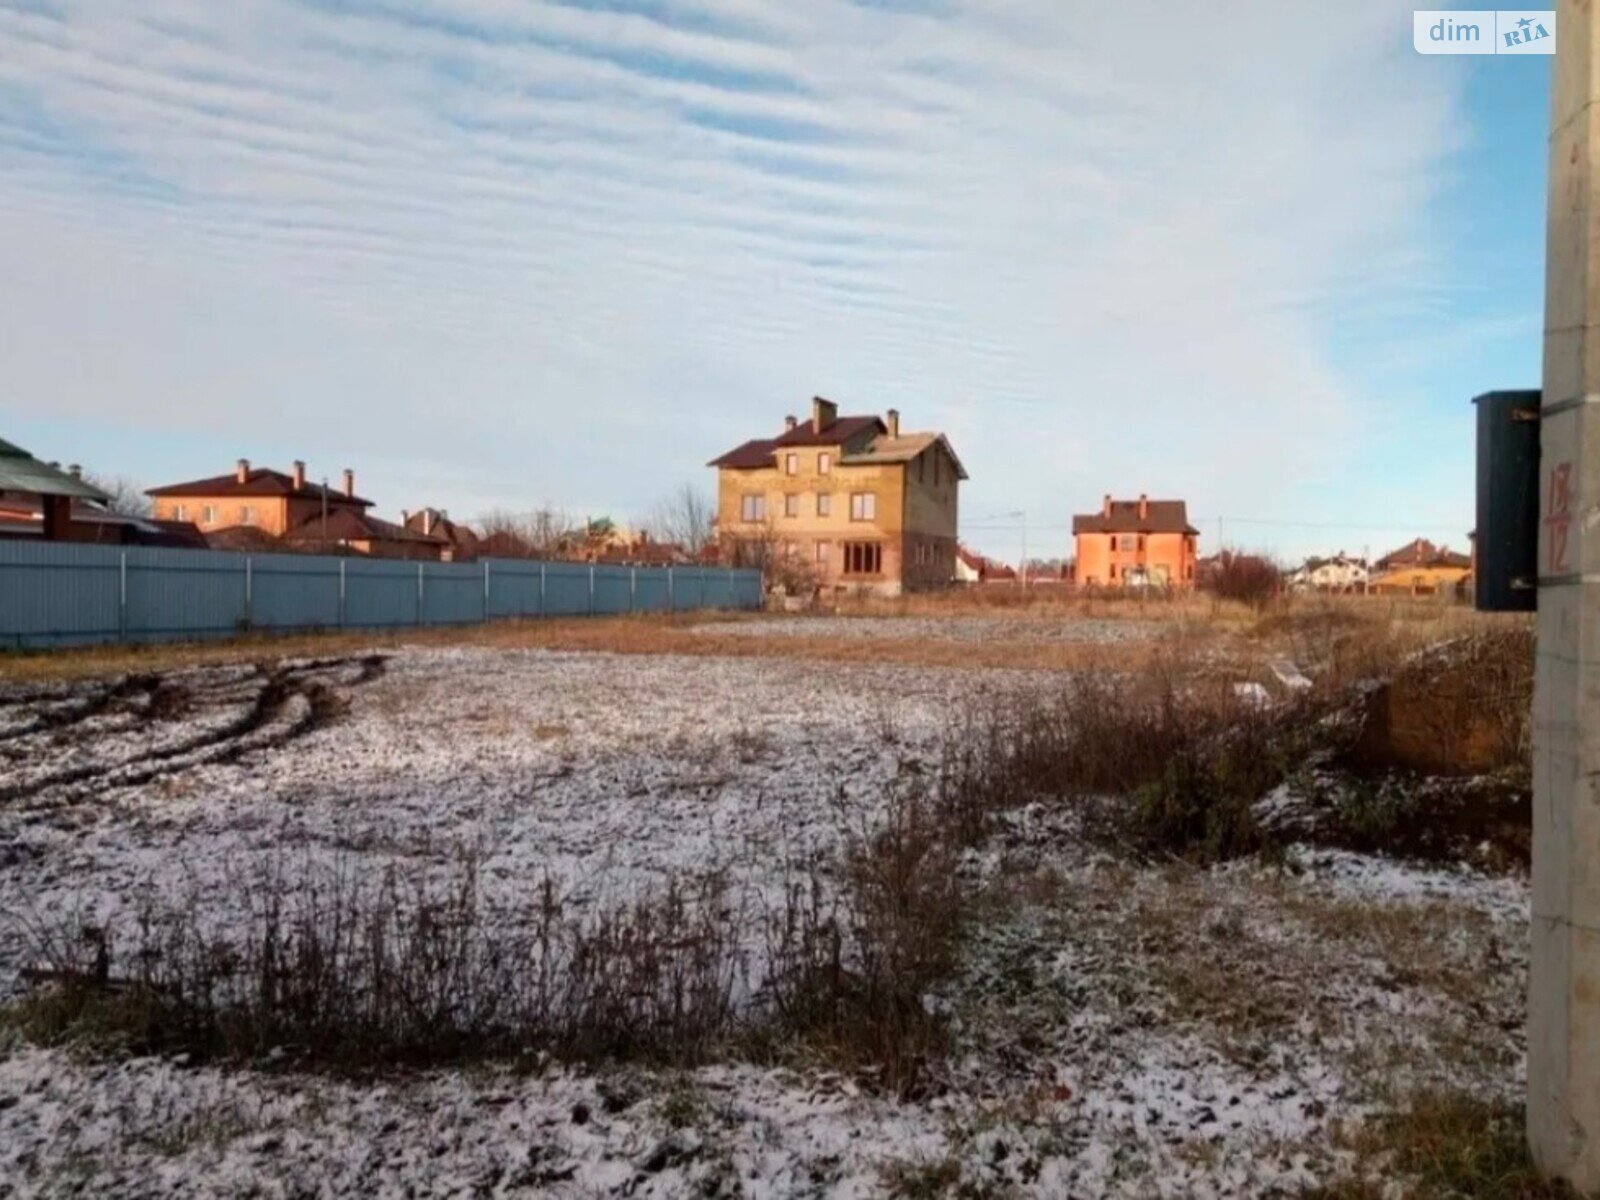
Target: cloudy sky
{"type": "Point", "coordinates": [501, 253]}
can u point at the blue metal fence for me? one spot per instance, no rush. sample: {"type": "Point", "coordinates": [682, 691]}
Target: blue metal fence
{"type": "Point", "coordinates": [59, 594]}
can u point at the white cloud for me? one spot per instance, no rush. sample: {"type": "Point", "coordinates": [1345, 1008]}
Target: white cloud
{"type": "Point", "coordinates": [529, 250]}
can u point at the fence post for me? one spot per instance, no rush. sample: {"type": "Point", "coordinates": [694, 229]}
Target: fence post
{"type": "Point", "coordinates": [486, 590]}
{"type": "Point", "coordinates": [344, 602]}
{"type": "Point", "coordinates": [633, 588]}
{"type": "Point", "coordinates": [419, 593]}
{"type": "Point", "coordinates": [591, 589]}
{"type": "Point", "coordinates": [249, 591]}
{"type": "Point", "coordinates": [672, 595]}
{"type": "Point", "coordinates": [122, 598]}
{"type": "Point", "coordinates": [541, 590]}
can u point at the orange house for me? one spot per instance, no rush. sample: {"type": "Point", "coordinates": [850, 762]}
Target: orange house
{"type": "Point", "coordinates": [1137, 543]}
{"type": "Point", "coordinates": [261, 499]}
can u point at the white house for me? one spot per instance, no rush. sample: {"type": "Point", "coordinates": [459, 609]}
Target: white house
{"type": "Point", "coordinates": [1339, 574]}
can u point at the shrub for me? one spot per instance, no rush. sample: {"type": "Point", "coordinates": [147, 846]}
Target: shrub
{"type": "Point", "coordinates": [1250, 579]}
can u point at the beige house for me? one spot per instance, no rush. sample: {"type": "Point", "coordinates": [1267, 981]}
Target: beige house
{"type": "Point", "coordinates": [846, 502]}
{"type": "Point", "coordinates": [255, 498]}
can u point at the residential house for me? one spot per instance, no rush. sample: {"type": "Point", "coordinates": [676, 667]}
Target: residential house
{"type": "Point", "coordinates": [1420, 568]}
{"type": "Point", "coordinates": [1340, 575]}
{"type": "Point", "coordinates": [1136, 543]}
{"type": "Point", "coordinates": [354, 530]}
{"type": "Point", "coordinates": [255, 498]}
{"type": "Point", "coordinates": [849, 502]}
{"type": "Point", "coordinates": [29, 487]}
{"type": "Point", "coordinates": [460, 543]}
{"type": "Point", "coordinates": [975, 568]}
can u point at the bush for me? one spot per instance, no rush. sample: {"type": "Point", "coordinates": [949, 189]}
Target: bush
{"type": "Point", "coordinates": [1167, 762]}
{"type": "Point", "coordinates": [1250, 579]}
{"type": "Point", "coordinates": [329, 969]}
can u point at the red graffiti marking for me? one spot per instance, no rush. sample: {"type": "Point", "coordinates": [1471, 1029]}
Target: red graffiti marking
{"type": "Point", "coordinates": [1558, 515]}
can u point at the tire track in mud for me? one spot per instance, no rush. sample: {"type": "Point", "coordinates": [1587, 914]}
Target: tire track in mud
{"type": "Point", "coordinates": [282, 703]}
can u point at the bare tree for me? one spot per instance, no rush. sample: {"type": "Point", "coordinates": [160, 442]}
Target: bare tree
{"type": "Point", "coordinates": [543, 533]}
{"type": "Point", "coordinates": [127, 498]}
{"type": "Point", "coordinates": [686, 517]}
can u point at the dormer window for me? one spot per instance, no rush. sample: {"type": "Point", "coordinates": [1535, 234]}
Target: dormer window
{"type": "Point", "coordinates": [791, 464]}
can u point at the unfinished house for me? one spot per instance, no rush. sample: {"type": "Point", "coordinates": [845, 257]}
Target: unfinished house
{"type": "Point", "coordinates": [843, 502]}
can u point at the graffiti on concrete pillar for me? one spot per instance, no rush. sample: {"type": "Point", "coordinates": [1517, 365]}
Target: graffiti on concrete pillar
{"type": "Point", "coordinates": [1558, 517]}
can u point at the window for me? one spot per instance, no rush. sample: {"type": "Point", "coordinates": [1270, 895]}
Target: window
{"type": "Point", "coordinates": [824, 504]}
{"type": "Point", "coordinates": [863, 558]}
{"type": "Point", "coordinates": [791, 464]}
{"type": "Point", "coordinates": [1113, 572]}
{"type": "Point", "coordinates": [753, 508]}
{"type": "Point", "coordinates": [822, 554]}
{"type": "Point", "coordinates": [208, 515]}
{"type": "Point", "coordinates": [1125, 543]}
{"type": "Point", "coordinates": [791, 505]}
{"type": "Point", "coordinates": [863, 506]}
{"type": "Point", "coordinates": [180, 512]}
{"type": "Point", "coordinates": [1141, 541]}
{"type": "Point", "coordinates": [824, 463]}
{"type": "Point", "coordinates": [247, 515]}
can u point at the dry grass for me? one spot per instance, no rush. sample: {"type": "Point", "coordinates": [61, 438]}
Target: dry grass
{"type": "Point", "coordinates": [1346, 637]}
{"type": "Point", "coordinates": [1442, 1146]}
{"type": "Point", "coordinates": [350, 970]}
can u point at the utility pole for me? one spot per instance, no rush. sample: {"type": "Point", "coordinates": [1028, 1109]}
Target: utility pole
{"type": "Point", "coordinates": [1564, 979]}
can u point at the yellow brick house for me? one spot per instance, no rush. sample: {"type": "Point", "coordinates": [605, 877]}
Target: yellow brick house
{"type": "Point", "coordinates": [854, 501]}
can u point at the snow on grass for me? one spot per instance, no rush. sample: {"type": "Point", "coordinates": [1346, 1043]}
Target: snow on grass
{"type": "Point", "coordinates": [1118, 1031]}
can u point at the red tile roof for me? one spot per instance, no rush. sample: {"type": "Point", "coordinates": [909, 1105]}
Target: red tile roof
{"type": "Point", "coordinates": [753, 455]}
{"type": "Point", "coordinates": [261, 481]}
{"type": "Point", "coordinates": [350, 525]}
{"type": "Point", "coordinates": [758, 453]}
{"type": "Point", "coordinates": [1164, 516]}
{"type": "Point", "coordinates": [1420, 552]}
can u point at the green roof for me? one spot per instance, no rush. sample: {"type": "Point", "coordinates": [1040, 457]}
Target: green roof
{"type": "Point", "coordinates": [22, 472]}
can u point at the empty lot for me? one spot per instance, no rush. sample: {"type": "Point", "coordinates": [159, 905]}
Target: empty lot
{"type": "Point", "coordinates": [1115, 1027]}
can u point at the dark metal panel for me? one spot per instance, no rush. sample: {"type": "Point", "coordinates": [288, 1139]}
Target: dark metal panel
{"type": "Point", "coordinates": [1508, 501]}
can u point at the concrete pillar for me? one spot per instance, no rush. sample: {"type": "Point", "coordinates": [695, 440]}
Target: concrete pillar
{"type": "Point", "coordinates": [1564, 996]}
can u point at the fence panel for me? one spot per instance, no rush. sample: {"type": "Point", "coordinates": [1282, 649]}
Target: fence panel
{"type": "Point", "coordinates": [57, 594]}
{"type": "Point", "coordinates": [292, 592]}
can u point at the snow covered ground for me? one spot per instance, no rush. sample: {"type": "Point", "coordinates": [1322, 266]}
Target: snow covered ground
{"type": "Point", "coordinates": [1121, 1031]}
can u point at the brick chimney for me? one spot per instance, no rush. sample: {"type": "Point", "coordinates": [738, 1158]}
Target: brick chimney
{"type": "Point", "coordinates": [427, 521]}
{"type": "Point", "coordinates": [1105, 510]}
{"type": "Point", "coordinates": [823, 413]}
{"type": "Point", "coordinates": [1144, 507]}
{"type": "Point", "coordinates": [241, 470]}
{"type": "Point", "coordinates": [75, 471]}
{"type": "Point", "coordinates": [349, 482]}
{"type": "Point", "coordinates": [893, 422]}
{"type": "Point", "coordinates": [299, 475]}
{"type": "Point", "coordinates": [791, 423]}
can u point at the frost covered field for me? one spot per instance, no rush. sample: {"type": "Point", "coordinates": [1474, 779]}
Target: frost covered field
{"type": "Point", "coordinates": [1114, 1029]}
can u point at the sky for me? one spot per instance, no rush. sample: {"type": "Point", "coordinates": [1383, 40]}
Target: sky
{"type": "Point", "coordinates": [498, 254]}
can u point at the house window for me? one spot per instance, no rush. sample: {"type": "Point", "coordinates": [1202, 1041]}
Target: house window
{"type": "Point", "coordinates": [791, 505]}
{"type": "Point", "coordinates": [180, 512]}
{"type": "Point", "coordinates": [247, 515]}
{"type": "Point", "coordinates": [1113, 572]}
{"type": "Point", "coordinates": [791, 464]}
{"type": "Point", "coordinates": [824, 463]}
{"type": "Point", "coordinates": [822, 554]}
{"type": "Point", "coordinates": [1141, 541]}
{"type": "Point", "coordinates": [208, 514]}
{"type": "Point", "coordinates": [863, 558]}
{"type": "Point", "coordinates": [863, 506]}
{"type": "Point", "coordinates": [1125, 543]}
{"type": "Point", "coordinates": [824, 504]}
{"type": "Point", "coordinates": [753, 508]}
